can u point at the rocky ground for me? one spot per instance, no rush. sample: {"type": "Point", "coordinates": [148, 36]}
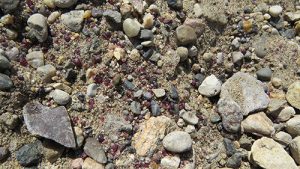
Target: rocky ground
{"type": "Point", "coordinates": [160, 84]}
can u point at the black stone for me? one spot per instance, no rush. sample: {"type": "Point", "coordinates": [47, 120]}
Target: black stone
{"type": "Point", "coordinates": [234, 161]}
{"type": "Point", "coordinates": [71, 76]}
{"type": "Point", "coordinates": [29, 154]}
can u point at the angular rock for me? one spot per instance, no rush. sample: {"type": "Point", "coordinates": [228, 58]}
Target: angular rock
{"type": "Point", "coordinates": [64, 3]}
{"type": "Point", "coordinates": [295, 149]}
{"type": "Point", "coordinates": [185, 35]}
{"type": "Point", "coordinates": [113, 16]}
{"type": "Point", "coordinates": [29, 154]}
{"type": "Point", "coordinates": [177, 142]}
{"type": "Point", "coordinates": [94, 149]}
{"type": "Point", "coordinates": [91, 90]}
{"type": "Point", "coordinates": [293, 126]}
{"type": "Point", "coordinates": [3, 153]}
{"type": "Point", "coordinates": [135, 107]}
{"type": "Point", "coordinates": [114, 125]}
{"type": "Point", "coordinates": [258, 124]}
{"type": "Point", "coordinates": [159, 92]}
{"type": "Point", "coordinates": [266, 153]}
{"type": "Point", "coordinates": [155, 108]}
{"type": "Point", "coordinates": [293, 94]}
{"type": "Point", "coordinates": [5, 82]}
{"type": "Point", "coordinates": [211, 86]}
{"type": "Point", "coordinates": [286, 113]}
{"type": "Point", "coordinates": [264, 74]}
{"type": "Point", "coordinates": [231, 114]}
{"type": "Point", "coordinates": [73, 20]}
{"type": "Point", "coordinates": [53, 123]}
{"type": "Point", "coordinates": [46, 72]}
{"type": "Point", "coordinates": [275, 106]}
{"type": "Point", "coordinates": [9, 5]}
{"type": "Point", "coordinates": [52, 150]}
{"type": "Point", "coordinates": [10, 120]}
{"type": "Point", "coordinates": [150, 133]}
{"type": "Point", "coordinates": [246, 91]}
{"type": "Point", "coordinates": [35, 59]}
{"type": "Point", "coordinates": [38, 26]}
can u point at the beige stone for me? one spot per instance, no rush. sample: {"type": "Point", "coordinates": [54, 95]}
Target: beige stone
{"type": "Point", "coordinates": [91, 164]}
{"type": "Point", "coordinates": [267, 153]}
{"type": "Point", "coordinates": [258, 124]}
{"type": "Point", "coordinates": [150, 133]}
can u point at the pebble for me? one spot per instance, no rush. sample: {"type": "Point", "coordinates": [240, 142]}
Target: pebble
{"type": "Point", "coordinates": [286, 113]}
{"type": "Point", "coordinates": [283, 138]}
{"type": "Point", "coordinates": [199, 78]}
{"type": "Point", "coordinates": [211, 86]}
{"type": "Point", "coordinates": [234, 161]}
{"type": "Point", "coordinates": [198, 10]}
{"type": "Point", "coordinates": [183, 53]}
{"type": "Point", "coordinates": [129, 85]}
{"type": "Point", "coordinates": [91, 90]}
{"type": "Point", "coordinates": [293, 126]}
{"type": "Point", "coordinates": [148, 21]}
{"type": "Point", "coordinates": [13, 53]}
{"type": "Point", "coordinates": [275, 10]}
{"type": "Point", "coordinates": [147, 95]}
{"type": "Point", "coordinates": [295, 149]}
{"type": "Point", "coordinates": [231, 114]}
{"type": "Point", "coordinates": [53, 16]}
{"type": "Point", "coordinates": [235, 43]}
{"type": "Point", "coordinates": [46, 72]}
{"type": "Point", "coordinates": [35, 59]}
{"type": "Point", "coordinates": [185, 35]}
{"type": "Point", "coordinates": [52, 151]}
{"type": "Point", "coordinates": [135, 107]}
{"type": "Point", "coordinates": [44, 121]}
{"type": "Point", "coordinates": [246, 91]}
{"type": "Point", "coordinates": [176, 4]}
{"type": "Point", "coordinates": [5, 82]}
{"type": "Point", "coordinates": [264, 74]}
{"type": "Point", "coordinates": [73, 20]}
{"type": "Point", "coordinates": [169, 162]}
{"type": "Point", "coordinates": [293, 94]}
{"type": "Point", "coordinates": [138, 94]}
{"type": "Point", "coordinates": [193, 51]}
{"type": "Point", "coordinates": [113, 16]}
{"type": "Point", "coordinates": [77, 163]}
{"type": "Point", "coordinates": [94, 150]}
{"type": "Point", "coordinates": [38, 26]}
{"type": "Point", "coordinates": [264, 152]}
{"type": "Point", "coordinates": [190, 129]}
{"type": "Point", "coordinates": [4, 63]}
{"type": "Point", "coordinates": [97, 13]}
{"type": "Point", "coordinates": [131, 27]}
{"type": "Point", "coordinates": [10, 120]}
{"type": "Point", "coordinates": [9, 5]}
{"type": "Point", "coordinates": [159, 92]}
{"type": "Point", "coordinates": [189, 117]}
{"type": "Point", "coordinates": [258, 124]}
{"type": "Point", "coordinates": [229, 146]}
{"type": "Point", "coordinates": [60, 97]}
{"type": "Point", "coordinates": [79, 136]}
{"type": "Point", "coordinates": [155, 108]}
{"type": "Point", "coordinates": [237, 58]}
{"type": "Point", "coordinates": [146, 34]}
{"type": "Point", "coordinates": [177, 142]}
{"type": "Point", "coordinates": [173, 93]}
{"type": "Point", "coordinates": [29, 154]}
{"type": "Point", "coordinates": [91, 164]}
{"type": "Point", "coordinates": [276, 82]}
{"type": "Point", "coordinates": [64, 3]}
{"type": "Point", "coordinates": [3, 153]}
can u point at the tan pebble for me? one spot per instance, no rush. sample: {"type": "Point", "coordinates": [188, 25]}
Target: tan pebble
{"type": "Point", "coordinates": [276, 82]}
{"type": "Point", "coordinates": [53, 16]}
{"type": "Point", "coordinates": [49, 3]}
{"type": "Point", "coordinates": [91, 164]}
{"type": "Point", "coordinates": [135, 55]}
{"type": "Point", "coordinates": [7, 19]}
{"type": "Point", "coordinates": [77, 163]}
{"type": "Point", "coordinates": [148, 21]}
{"type": "Point", "coordinates": [297, 28]}
{"type": "Point", "coordinates": [90, 73]}
{"type": "Point", "coordinates": [298, 61]}
{"type": "Point", "coordinates": [119, 53]}
{"type": "Point", "coordinates": [87, 14]}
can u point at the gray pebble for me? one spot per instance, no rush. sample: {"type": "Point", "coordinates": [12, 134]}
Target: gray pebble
{"type": "Point", "coordinates": [3, 153]}
{"type": "Point", "coordinates": [135, 107]}
{"type": "Point", "coordinates": [5, 82]}
{"type": "Point", "coordinates": [91, 90]}
{"type": "Point", "coordinates": [177, 142]}
{"type": "Point", "coordinates": [147, 95]}
{"type": "Point", "coordinates": [113, 16]}
{"type": "Point", "coordinates": [138, 94]}
{"type": "Point", "coordinates": [64, 3]}
{"type": "Point", "coordinates": [94, 149]}
{"type": "Point", "coordinates": [60, 97]}
{"type": "Point", "coordinates": [4, 63]}
{"type": "Point", "coordinates": [73, 20]}
{"type": "Point", "coordinates": [155, 109]}
{"type": "Point", "coordinates": [146, 34]}
{"type": "Point", "coordinates": [29, 154]}
{"type": "Point", "coordinates": [35, 59]}
{"type": "Point", "coordinates": [9, 5]}
{"type": "Point", "coordinates": [264, 74]}
{"type": "Point", "coordinates": [38, 26]}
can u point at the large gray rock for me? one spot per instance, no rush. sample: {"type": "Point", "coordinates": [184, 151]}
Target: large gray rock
{"type": "Point", "coordinates": [267, 153]}
{"type": "Point", "coordinates": [231, 115]}
{"type": "Point", "coordinates": [177, 142]}
{"type": "Point", "coordinates": [5, 82]}
{"type": "Point", "coordinates": [38, 26]}
{"type": "Point", "coordinates": [94, 149]}
{"type": "Point", "coordinates": [73, 20]}
{"type": "Point", "coordinates": [53, 123]}
{"type": "Point", "coordinates": [9, 5]}
{"type": "Point", "coordinates": [246, 91]}
{"type": "Point", "coordinates": [258, 124]}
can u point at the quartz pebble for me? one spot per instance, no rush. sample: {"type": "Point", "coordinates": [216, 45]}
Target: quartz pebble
{"type": "Point", "coordinates": [275, 10]}
{"type": "Point", "coordinates": [35, 59]}
{"type": "Point", "coordinates": [60, 97]}
{"type": "Point", "coordinates": [131, 27]}
{"type": "Point", "coordinates": [38, 26]}
{"type": "Point", "coordinates": [211, 86]}
{"type": "Point", "coordinates": [177, 142]}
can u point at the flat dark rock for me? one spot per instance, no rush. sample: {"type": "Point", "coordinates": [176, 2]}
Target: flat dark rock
{"type": "Point", "coordinates": [53, 123]}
